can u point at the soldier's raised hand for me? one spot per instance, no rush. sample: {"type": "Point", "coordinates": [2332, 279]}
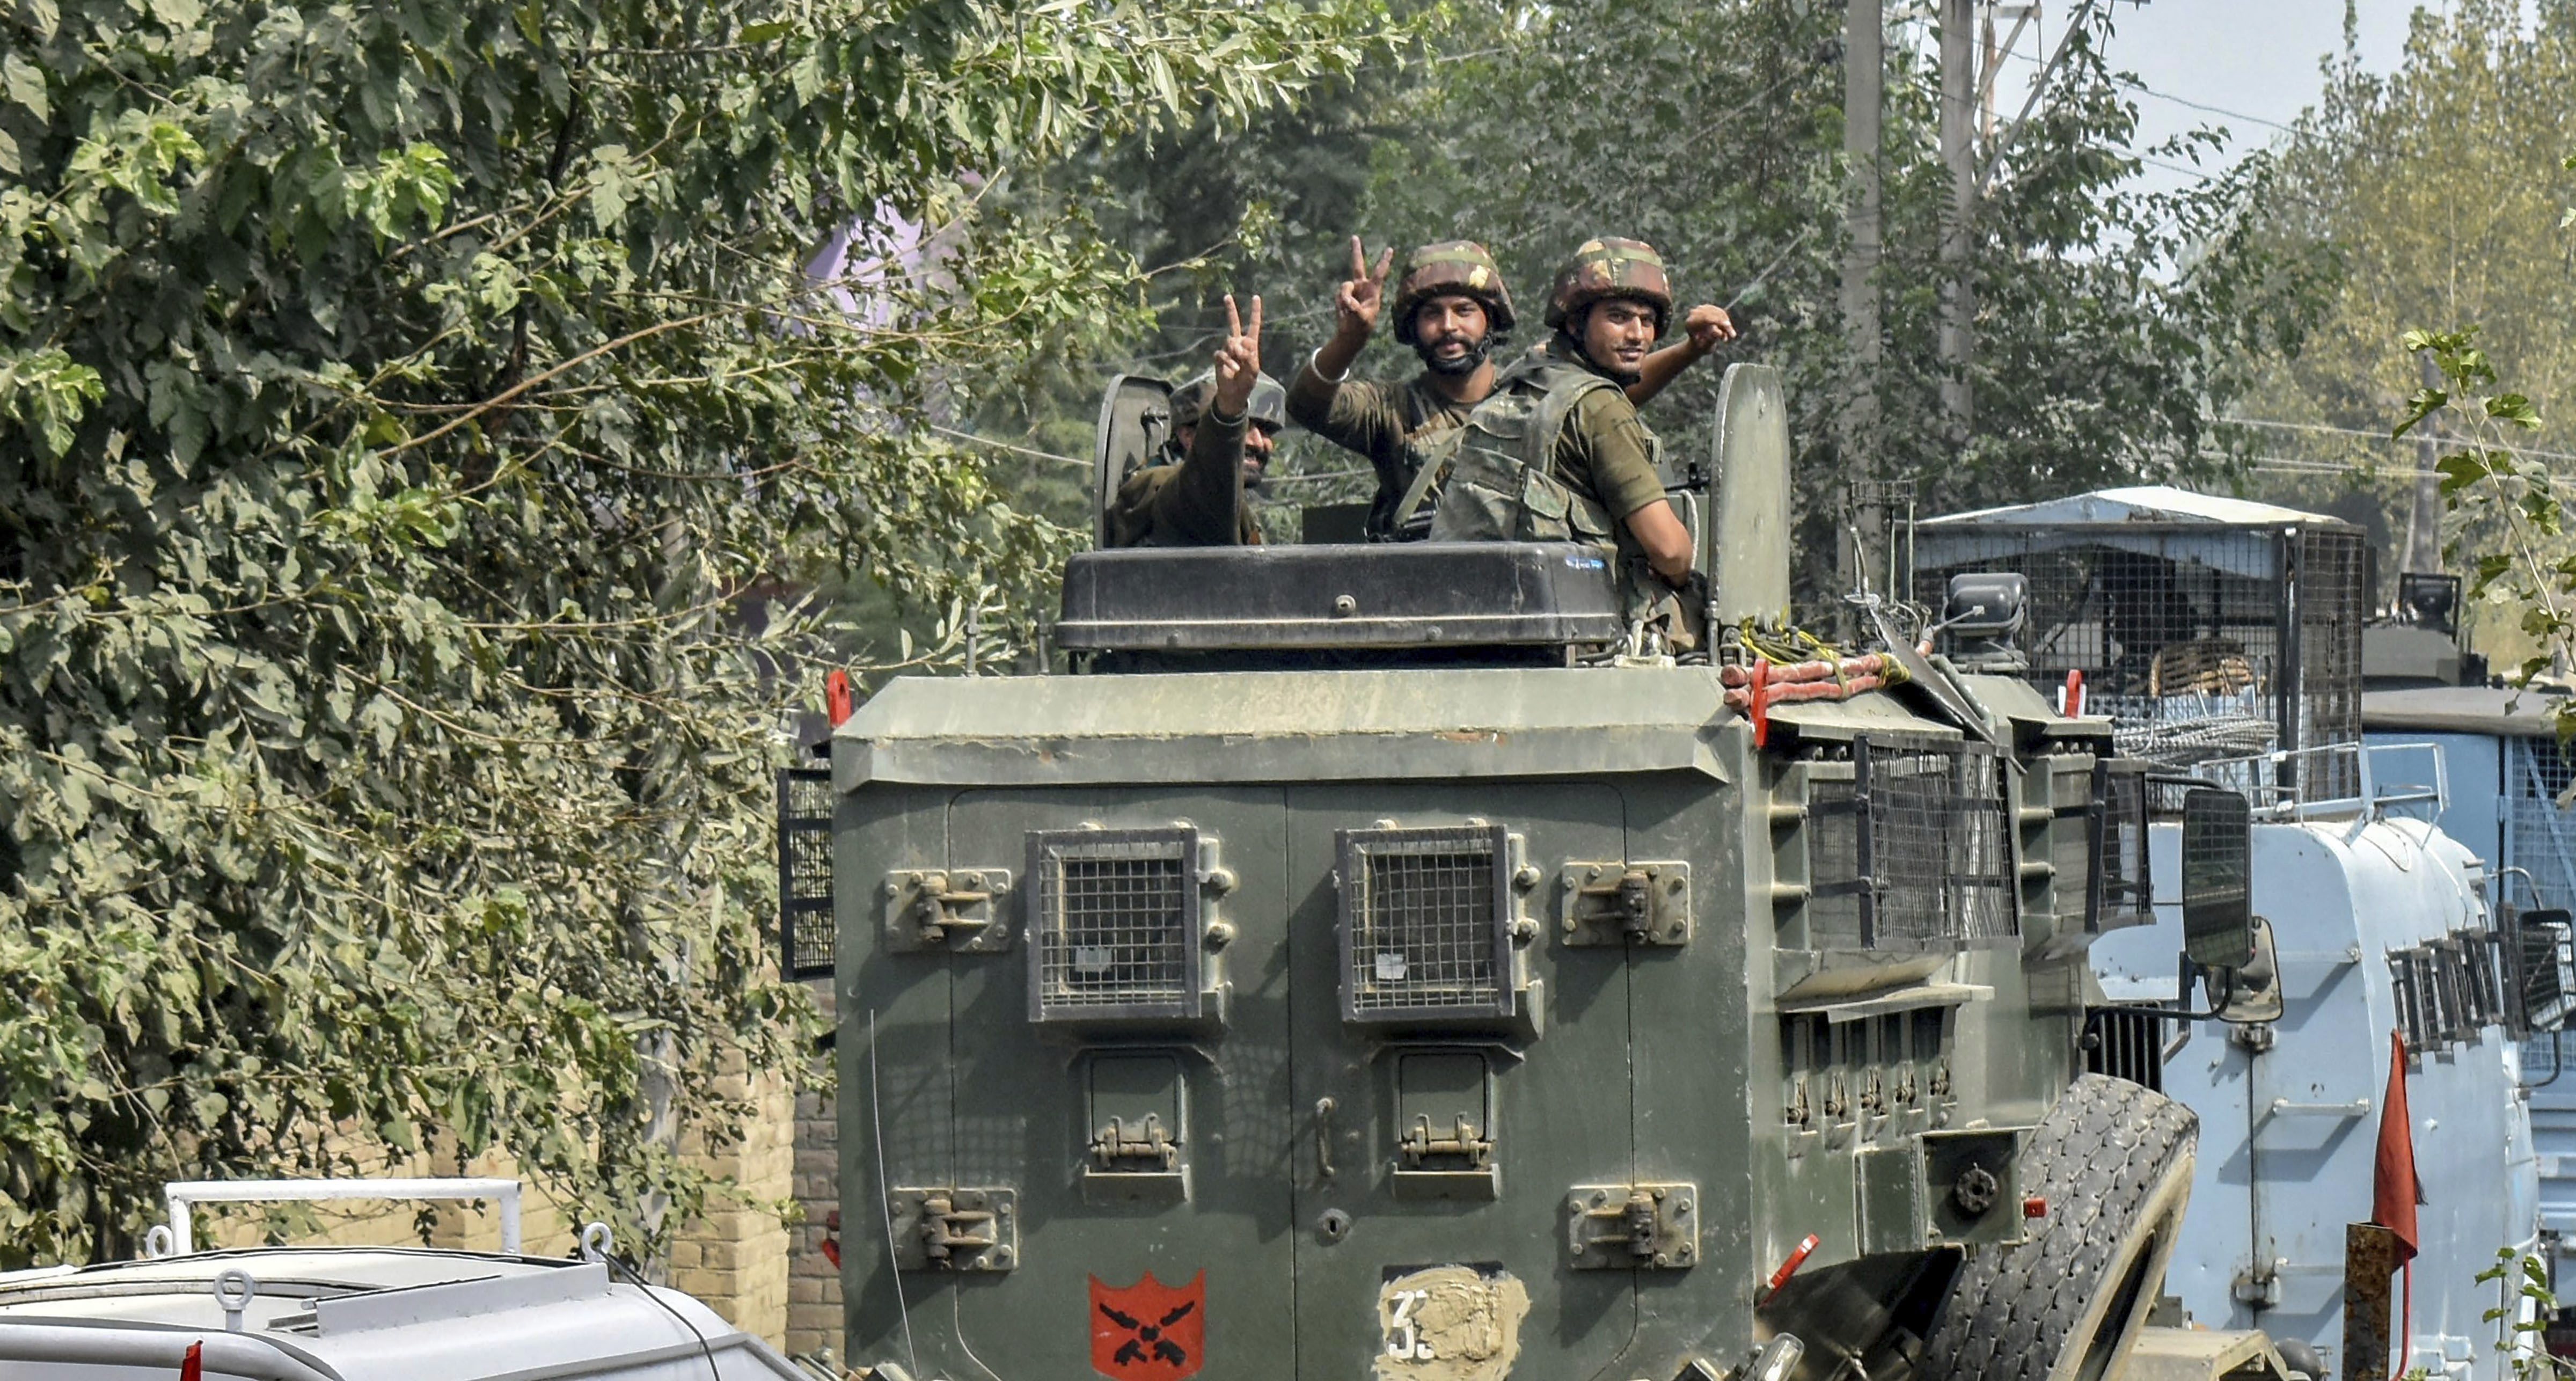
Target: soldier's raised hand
{"type": "Point", "coordinates": [1709, 327]}
{"type": "Point", "coordinates": [1360, 298]}
{"type": "Point", "coordinates": [1238, 361]}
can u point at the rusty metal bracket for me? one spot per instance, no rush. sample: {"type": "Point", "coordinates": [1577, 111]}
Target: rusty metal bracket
{"type": "Point", "coordinates": [955, 1229]}
{"type": "Point", "coordinates": [1617, 1227]}
{"type": "Point", "coordinates": [1607, 904]}
{"type": "Point", "coordinates": [955, 910]}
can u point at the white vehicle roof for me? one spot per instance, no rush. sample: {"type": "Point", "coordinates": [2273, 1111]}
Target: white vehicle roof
{"type": "Point", "coordinates": [367, 1314]}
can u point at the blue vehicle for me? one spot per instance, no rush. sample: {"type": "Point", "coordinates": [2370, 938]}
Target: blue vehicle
{"type": "Point", "coordinates": [2226, 641]}
{"type": "Point", "coordinates": [2509, 777]}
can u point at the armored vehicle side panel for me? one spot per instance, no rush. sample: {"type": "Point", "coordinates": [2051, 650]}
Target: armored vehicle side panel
{"type": "Point", "coordinates": [1413, 1101]}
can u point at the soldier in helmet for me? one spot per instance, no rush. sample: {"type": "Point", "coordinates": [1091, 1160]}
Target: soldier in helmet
{"type": "Point", "coordinates": [1223, 422]}
{"type": "Point", "coordinates": [1558, 453]}
{"type": "Point", "coordinates": [1451, 306]}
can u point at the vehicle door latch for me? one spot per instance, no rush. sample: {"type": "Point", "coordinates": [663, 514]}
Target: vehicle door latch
{"type": "Point", "coordinates": [1609, 904]}
{"type": "Point", "coordinates": [955, 1229]}
{"type": "Point", "coordinates": [952, 909]}
{"type": "Point", "coordinates": [1612, 1227]}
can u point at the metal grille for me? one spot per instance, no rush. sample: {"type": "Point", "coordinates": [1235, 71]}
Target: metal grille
{"type": "Point", "coordinates": [2547, 976]}
{"type": "Point", "coordinates": [1909, 850]}
{"type": "Point", "coordinates": [2124, 891]}
{"type": "Point", "coordinates": [2539, 837]}
{"type": "Point", "coordinates": [805, 936]}
{"type": "Point", "coordinates": [2126, 1043]}
{"type": "Point", "coordinates": [1426, 923]}
{"type": "Point", "coordinates": [2331, 597]}
{"type": "Point", "coordinates": [1115, 924]}
{"type": "Point", "coordinates": [2200, 642]}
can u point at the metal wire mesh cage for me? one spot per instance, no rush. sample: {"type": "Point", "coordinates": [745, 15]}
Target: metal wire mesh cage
{"type": "Point", "coordinates": [2205, 628]}
{"type": "Point", "coordinates": [805, 937]}
{"type": "Point", "coordinates": [2124, 888]}
{"type": "Point", "coordinates": [1114, 930]}
{"type": "Point", "coordinates": [1426, 924]}
{"type": "Point", "coordinates": [1908, 848]}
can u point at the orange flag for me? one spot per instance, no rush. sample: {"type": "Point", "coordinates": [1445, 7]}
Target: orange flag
{"type": "Point", "coordinates": [2394, 1188]}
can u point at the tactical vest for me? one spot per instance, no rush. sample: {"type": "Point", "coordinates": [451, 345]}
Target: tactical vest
{"type": "Point", "coordinates": [1422, 449]}
{"type": "Point", "coordinates": [1501, 485]}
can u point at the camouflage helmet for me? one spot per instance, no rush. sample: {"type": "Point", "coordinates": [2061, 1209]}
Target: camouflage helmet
{"type": "Point", "coordinates": [1607, 268]}
{"type": "Point", "coordinates": [1463, 267]}
{"type": "Point", "coordinates": [1268, 408]}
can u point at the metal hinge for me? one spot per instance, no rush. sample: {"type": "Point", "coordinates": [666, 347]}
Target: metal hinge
{"type": "Point", "coordinates": [2258, 1284]}
{"type": "Point", "coordinates": [1462, 1148]}
{"type": "Point", "coordinates": [1624, 903]}
{"type": "Point", "coordinates": [955, 1229]}
{"type": "Point", "coordinates": [1624, 1226]}
{"type": "Point", "coordinates": [945, 909]}
{"type": "Point", "coordinates": [1147, 1149]}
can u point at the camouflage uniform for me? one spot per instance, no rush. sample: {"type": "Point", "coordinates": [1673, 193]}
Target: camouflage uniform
{"type": "Point", "coordinates": [1558, 453]}
{"type": "Point", "coordinates": [1197, 501]}
{"type": "Point", "coordinates": [1391, 424]}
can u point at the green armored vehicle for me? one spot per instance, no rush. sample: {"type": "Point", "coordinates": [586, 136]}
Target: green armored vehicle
{"type": "Point", "coordinates": [1376, 963]}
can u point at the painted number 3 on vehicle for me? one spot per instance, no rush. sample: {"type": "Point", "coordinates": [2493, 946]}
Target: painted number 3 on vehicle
{"type": "Point", "coordinates": [1449, 1323]}
{"type": "Point", "coordinates": [1404, 1341]}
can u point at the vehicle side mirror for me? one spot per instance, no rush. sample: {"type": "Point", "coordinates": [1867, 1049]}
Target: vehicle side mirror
{"type": "Point", "coordinates": [2548, 969]}
{"type": "Point", "coordinates": [2250, 993]}
{"type": "Point", "coordinates": [2218, 925]}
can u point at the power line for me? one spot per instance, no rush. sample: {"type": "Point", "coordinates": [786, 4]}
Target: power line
{"type": "Point", "coordinates": [2323, 428]}
{"type": "Point", "coordinates": [2146, 90]}
{"type": "Point", "coordinates": [2132, 83]}
{"type": "Point", "coordinates": [1007, 446]}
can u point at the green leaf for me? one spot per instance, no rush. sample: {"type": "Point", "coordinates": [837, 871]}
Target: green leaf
{"type": "Point", "coordinates": [2422, 403]}
{"type": "Point", "coordinates": [24, 85]}
{"type": "Point", "coordinates": [2461, 470]}
{"type": "Point", "coordinates": [2514, 408]}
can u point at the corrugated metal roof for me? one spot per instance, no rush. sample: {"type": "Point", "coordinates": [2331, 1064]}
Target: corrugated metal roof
{"type": "Point", "coordinates": [2495, 712]}
{"type": "Point", "coordinates": [2150, 503]}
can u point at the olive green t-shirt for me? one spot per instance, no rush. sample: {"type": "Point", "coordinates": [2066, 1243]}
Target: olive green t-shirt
{"type": "Point", "coordinates": [1604, 452]}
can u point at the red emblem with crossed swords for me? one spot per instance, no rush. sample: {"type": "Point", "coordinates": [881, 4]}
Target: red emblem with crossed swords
{"type": "Point", "coordinates": [1149, 1331]}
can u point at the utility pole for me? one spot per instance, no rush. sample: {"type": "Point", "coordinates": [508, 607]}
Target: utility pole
{"type": "Point", "coordinates": [1959, 153]}
{"type": "Point", "coordinates": [1864, 79]}
{"type": "Point", "coordinates": [2423, 551]}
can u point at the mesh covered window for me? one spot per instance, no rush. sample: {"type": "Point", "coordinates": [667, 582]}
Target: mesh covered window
{"type": "Point", "coordinates": [2200, 640]}
{"type": "Point", "coordinates": [1908, 847]}
{"type": "Point", "coordinates": [1426, 924]}
{"type": "Point", "coordinates": [2123, 892]}
{"type": "Point", "coordinates": [1113, 924]}
{"type": "Point", "coordinates": [805, 871]}
{"type": "Point", "coordinates": [2407, 998]}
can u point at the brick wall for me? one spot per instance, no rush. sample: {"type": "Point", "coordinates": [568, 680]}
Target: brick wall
{"type": "Point", "coordinates": [813, 1284]}
{"type": "Point", "coordinates": [734, 1256]}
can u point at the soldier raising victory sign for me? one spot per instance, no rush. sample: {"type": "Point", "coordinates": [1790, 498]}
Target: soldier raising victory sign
{"type": "Point", "coordinates": [1225, 419]}
{"type": "Point", "coordinates": [1452, 308]}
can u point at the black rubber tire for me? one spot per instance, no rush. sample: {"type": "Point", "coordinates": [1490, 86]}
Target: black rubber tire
{"type": "Point", "coordinates": [2114, 1161]}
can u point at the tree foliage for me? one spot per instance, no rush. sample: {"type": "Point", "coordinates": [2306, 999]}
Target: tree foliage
{"type": "Point", "coordinates": [2110, 321]}
{"type": "Point", "coordinates": [416, 421]}
{"type": "Point", "coordinates": [2440, 186]}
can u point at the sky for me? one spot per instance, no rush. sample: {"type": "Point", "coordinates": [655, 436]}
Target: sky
{"type": "Point", "coordinates": [2254, 58]}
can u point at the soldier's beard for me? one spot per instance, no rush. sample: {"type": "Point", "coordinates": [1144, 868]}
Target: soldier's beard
{"type": "Point", "coordinates": [1468, 362]}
